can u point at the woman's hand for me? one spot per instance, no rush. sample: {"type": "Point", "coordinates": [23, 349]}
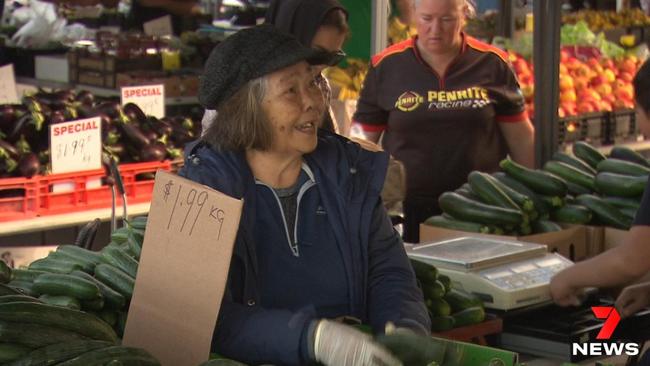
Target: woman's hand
{"type": "Point", "coordinates": [633, 298]}
{"type": "Point", "coordinates": [337, 344]}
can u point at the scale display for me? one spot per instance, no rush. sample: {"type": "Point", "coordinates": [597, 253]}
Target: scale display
{"type": "Point", "coordinates": [505, 274]}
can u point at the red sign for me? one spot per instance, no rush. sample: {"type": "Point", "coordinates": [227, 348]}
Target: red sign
{"type": "Point", "coordinates": [612, 318]}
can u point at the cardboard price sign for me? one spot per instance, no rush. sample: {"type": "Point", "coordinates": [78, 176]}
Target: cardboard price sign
{"type": "Point", "coordinates": [159, 27]}
{"type": "Point", "coordinates": [183, 270]}
{"type": "Point", "coordinates": [8, 94]}
{"type": "Point", "coordinates": [76, 146]}
{"type": "Point", "coordinates": [150, 98]}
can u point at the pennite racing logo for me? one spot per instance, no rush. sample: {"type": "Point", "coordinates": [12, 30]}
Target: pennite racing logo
{"type": "Point", "coordinates": [409, 101]}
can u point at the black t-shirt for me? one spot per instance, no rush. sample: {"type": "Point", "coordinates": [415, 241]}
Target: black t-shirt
{"type": "Point", "coordinates": [643, 215]}
{"type": "Point", "coordinates": [441, 128]}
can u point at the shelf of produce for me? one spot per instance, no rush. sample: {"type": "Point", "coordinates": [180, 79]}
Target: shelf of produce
{"type": "Point", "coordinates": [474, 333]}
{"type": "Point", "coordinates": [101, 92]}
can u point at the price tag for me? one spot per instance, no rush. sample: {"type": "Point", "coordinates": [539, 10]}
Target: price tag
{"type": "Point", "coordinates": [8, 94]}
{"type": "Point", "coordinates": [187, 248]}
{"type": "Point", "coordinates": [159, 27]}
{"type": "Point", "coordinates": [150, 98]}
{"type": "Point", "coordinates": [76, 146]}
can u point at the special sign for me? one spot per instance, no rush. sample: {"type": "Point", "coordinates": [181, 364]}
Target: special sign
{"type": "Point", "coordinates": [76, 145]}
{"type": "Point", "coordinates": [150, 98]}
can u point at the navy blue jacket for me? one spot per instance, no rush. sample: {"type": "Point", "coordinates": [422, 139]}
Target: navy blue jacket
{"type": "Point", "coordinates": [381, 281]}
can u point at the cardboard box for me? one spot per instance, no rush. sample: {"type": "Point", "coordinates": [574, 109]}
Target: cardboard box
{"type": "Point", "coordinates": [175, 85]}
{"type": "Point", "coordinates": [52, 67]}
{"type": "Point", "coordinates": [570, 242]}
{"type": "Point", "coordinates": [595, 240]}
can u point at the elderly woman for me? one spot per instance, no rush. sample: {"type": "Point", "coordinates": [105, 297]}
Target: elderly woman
{"type": "Point", "coordinates": [447, 104]}
{"type": "Point", "coordinates": [314, 242]}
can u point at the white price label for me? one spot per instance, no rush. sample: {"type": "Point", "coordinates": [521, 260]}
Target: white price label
{"type": "Point", "coordinates": [8, 94]}
{"type": "Point", "coordinates": [159, 27]}
{"type": "Point", "coordinates": [76, 146]}
{"type": "Point", "coordinates": [150, 98]}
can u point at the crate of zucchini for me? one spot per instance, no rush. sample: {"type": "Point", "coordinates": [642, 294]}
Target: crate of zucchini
{"type": "Point", "coordinates": [585, 188]}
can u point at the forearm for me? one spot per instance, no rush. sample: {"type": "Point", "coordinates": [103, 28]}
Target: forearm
{"type": "Point", "coordinates": [520, 138]}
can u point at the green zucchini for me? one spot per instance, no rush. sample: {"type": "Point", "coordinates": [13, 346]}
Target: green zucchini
{"type": "Point", "coordinates": [612, 184]}
{"type": "Point", "coordinates": [54, 266]}
{"type": "Point", "coordinates": [110, 317]}
{"type": "Point", "coordinates": [17, 298]}
{"type": "Point", "coordinates": [545, 226]}
{"type": "Point", "coordinates": [12, 351]}
{"type": "Point", "coordinates": [622, 202]}
{"type": "Point", "coordinates": [571, 174]}
{"type": "Point", "coordinates": [630, 213]}
{"type": "Point", "coordinates": [425, 273]}
{"type": "Point", "coordinates": [623, 167]}
{"type": "Point", "coordinates": [489, 192]}
{"type": "Point", "coordinates": [587, 153]}
{"type": "Point", "coordinates": [468, 210]}
{"type": "Point", "coordinates": [446, 281]}
{"type": "Point", "coordinates": [5, 272]}
{"type": "Point", "coordinates": [447, 222]}
{"type": "Point", "coordinates": [574, 162]}
{"type": "Point", "coordinates": [24, 287]}
{"type": "Point", "coordinates": [540, 206]}
{"type": "Point", "coordinates": [438, 307]}
{"type": "Point", "coordinates": [116, 279]}
{"type": "Point", "coordinates": [56, 353]}
{"type": "Point", "coordinates": [606, 213]}
{"type": "Point", "coordinates": [65, 301]}
{"type": "Point", "coordinates": [27, 275]}
{"type": "Point", "coordinates": [86, 266]}
{"type": "Point", "coordinates": [80, 253]}
{"type": "Point", "coordinates": [112, 299]}
{"type": "Point", "coordinates": [435, 290]}
{"type": "Point", "coordinates": [473, 315]}
{"type": "Point", "coordinates": [625, 153]}
{"type": "Point", "coordinates": [523, 201]}
{"type": "Point", "coordinates": [66, 285]}
{"type": "Point", "coordinates": [58, 317]}
{"type": "Point", "coordinates": [467, 193]}
{"type": "Point", "coordinates": [8, 290]}
{"type": "Point", "coordinates": [35, 335]}
{"type": "Point", "coordinates": [573, 214]}
{"type": "Point", "coordinates": [576, 189]}
{"type": "Point", "coordinates": [442, 323]}
{"type": "Point", "coordinates": [102, 356]}
{"type": "Point", "coordinates": [119, 259]}
{"type": "Point", "coordinates": [552, 201]}
{"type": "Point", "coordinates": [460, 300]}
{"type": "Point", "coordinates": [538, 180]}
{"type": "Point", "coordinates": [121, 322]}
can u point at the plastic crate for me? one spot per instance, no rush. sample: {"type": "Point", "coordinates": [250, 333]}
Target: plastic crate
{"type": "Point", "coordinates": [18, 198]}
{"type": "Point", "coordinates": [622, 126]}
{"type": "Point", "coordinates": [589, 127]}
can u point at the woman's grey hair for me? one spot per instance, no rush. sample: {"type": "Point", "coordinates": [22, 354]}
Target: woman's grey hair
{"type": "Point", "coordinates": [240, 123]}
{"type": "Point", "coordinates": [470, 7]}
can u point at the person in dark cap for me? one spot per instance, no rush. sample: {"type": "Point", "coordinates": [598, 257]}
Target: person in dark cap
{"type": "Point", "coordinates": [314, 242]}
{"type": "Point", "coordinates": [320, 24]}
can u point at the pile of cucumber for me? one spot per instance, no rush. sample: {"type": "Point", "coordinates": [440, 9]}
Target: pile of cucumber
{"type": "Point", "coordinates": [583, 188]}
{"type": "Point", "coordinates": [448, 307]}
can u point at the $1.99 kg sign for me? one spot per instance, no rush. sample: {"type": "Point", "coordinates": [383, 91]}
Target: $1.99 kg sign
{"type": "Point", "coordinates": [187, 248]}
{"type": "Point", "coordinates": [76, 146]}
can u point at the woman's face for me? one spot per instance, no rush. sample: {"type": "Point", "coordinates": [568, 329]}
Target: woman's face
{"type": "Point", "coordinates": [293, 105]}
{"type": "Point", "coordinates": [439, 23]}
{"type": "Point", "coordinates": [329, 39]}
{"type": "Point", "coordinates": [643, 121]}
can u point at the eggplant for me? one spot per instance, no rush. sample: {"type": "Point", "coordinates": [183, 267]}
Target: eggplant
{"type": "Point", "coordinates": [86, 98]}
{"type": "Point", "coordinates": [134, 135]}
{"type": "Point", "coordinates": [57, 117]}
{"type": "Point", "coordinates": [29, 165]}
{"type": "Point", "coordinates": [153, 152]}
{"type": "Point", "coordinates": [163, 127]}
{"type": "Point", "coordinates": [24, 126]}
{"type": "Point", "coordinates": [9, 113]}
{"type": "Point", "coordinates": [112, 109]}
{"type": "Point", "coordinates": [151, 135]}
{"type": "Point", "coordinates": [9, 149]}
{"type": "Point", "coordinates": [134, 113]}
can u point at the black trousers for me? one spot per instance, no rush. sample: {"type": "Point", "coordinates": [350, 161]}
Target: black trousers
{"type": "Point", "coordinates": [416, 211]}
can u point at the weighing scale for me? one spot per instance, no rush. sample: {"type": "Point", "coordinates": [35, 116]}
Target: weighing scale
{"type": "Point", "coordinates": [504, 274]}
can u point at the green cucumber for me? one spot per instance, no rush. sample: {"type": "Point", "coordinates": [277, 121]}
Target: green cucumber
{"type": "Point", "coordinates": [65, 301]}
{"type": "Point", "coordinates": [95, 304]}
{"type": "Point", "coordinates": [545, 226]}
{"type": "Point", "coordinates": [468, 210]}
{"type": "Point", "coordinates": [56, 353]}
{"type": "Point", "coordinates": [58, 317]}
{"type": "Point", "coordinates": [612, 184]}
{"type": "Point", "coordinates": [438, 307]}
{"type": "Point", "coordinates": [574, 162]}
{"type": "Point", "coordinates": [17, 298]}
{"type": "Point", "coordinates": [447, 222]}
{"type": "Point", "coordinates": [460, 300]}
{"type": "Point", "coordinates": [112, 299]}
{"type": "Point", "coordinates": [102, 356]}
{"type": "Point", "coordinates": [446, 281]}
{"type": "Point", "coordinates": [622, 202]}
{"type": "Point", "coordinates": [625, 153]}
{"type": "Point", "coordinates": [120, 235]}
{"type": "Point", "coordinates": [66, 285]}
{"type": "Point", "coordinates": [573, 214]}
{"type": "Point", "coordinates": [110, 317]}
{"type": "Point", "coordinates": [27, 275]}
{"type": "Point", "coordinates": [571, 174]}
{"type": "Point", "coordinates": [8, 290]}
{"type": "Point", "coordinates": [587, 153]}
{"type": "Point", "coordinates": [538, 180]}
{"type": "Point", "coordinates": [623, 167]}
{"type": "Point", "coordinates": [35, 335]}
{"type": "Point", "coordinates": [24, 287]}
{"type": "Point", "coordinates": [80, 253]}
{"type": "Point", "coordinates": [119, 259]}
{"type": "Point", "coordinates": [133, 247]}
{"type": "Point", "coordinates": [442, 323]}
{"type": "Point", "coordinates": [86, 266]}
{"type": "Point", "coordinates": [121, 322]}
{"type": "Point", "coordinates": [433, 291]}
{"type": "Point", "coordinates": [54, 266]}
{"type": "Point", "coordinates": [5, 272]}
{"type": "Point", "coordinates": [473, 315]}
{"type": "Point", "coordinates": [540, 206]}
{"type": "Point", "coordinates": [425, 273]}
{"type": "Point", "coordinates": [489, 192]}
{"type": "Point", "coordinates": [12, 351]}
{"type": "Point", "coordinates": [606, 213]}
{"type": "Point", "coordinates": [138, 223]}
{"type": "Point", "coordinates": [116, 279]}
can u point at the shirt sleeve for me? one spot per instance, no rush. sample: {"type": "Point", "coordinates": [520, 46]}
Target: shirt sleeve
{"type": "Point", "coordinates": [369, 113]}
{"type": "Point", "coordinates": [510, 102]}
{"type": "Point", "coordinates": [643, 215]}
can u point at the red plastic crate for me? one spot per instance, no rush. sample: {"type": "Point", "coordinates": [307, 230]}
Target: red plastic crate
{"type": "Point", "coordinates": [18, 198]}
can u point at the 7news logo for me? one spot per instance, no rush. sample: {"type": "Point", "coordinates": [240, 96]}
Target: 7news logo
{"type": "Point", "coordinates": [612, 318]}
